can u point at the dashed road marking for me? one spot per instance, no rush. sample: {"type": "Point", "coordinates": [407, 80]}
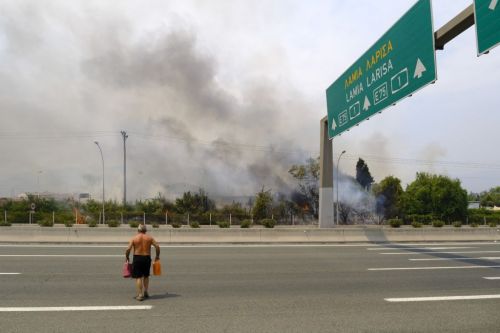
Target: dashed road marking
{"type": "Point", "coordinates": [422, 248]}
{"type": "Point", "coordinates": [432, 252]}
{"type": "Point", "coordinates": [429, 268]}
{"type": "Point", "coordinates": [459, 258]}
{"type": "Point", "coordinates": [442, 298]}
{"type": "Point", "coordinates": [75, 308]}
{"type": "Point", "coordinates": [63, 255]}
{"type": "Point", "coordinates": [492, 277]}
{"type": "Point", "coordinates": [10, 273]}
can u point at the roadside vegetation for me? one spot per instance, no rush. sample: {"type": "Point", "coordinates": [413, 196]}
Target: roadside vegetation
{"type": "Point", "coordinates": [429, 200]}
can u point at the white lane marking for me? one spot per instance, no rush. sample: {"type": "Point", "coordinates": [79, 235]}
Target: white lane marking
{"type": "Point", "coordinates": [429, 268]}
{"type": "Point", "coordinates": [63, 255]}
{"type": "Point", "coordinates": [385, 245]}
{"type": "Point", "coordinates": [382, 247]}
{"type": "Point", "coordinates": [420, 248]}
{"type": "Point", "coordinates": [432, 252]}
{"type": "Point", "coordinates": [462, 258]}
{"type": "Point", "coordinates": [10, 273]}
{"type": "Point", "coordinates": [59, 245]}
{"type": "Point", "coordinates": [441, 298]}
{"type": "Point", "coordinates": [190, 246]}
{"type": "Point", "coordinates": [75, 308]}
{"type": "Point", "coordinates": [492, 277]}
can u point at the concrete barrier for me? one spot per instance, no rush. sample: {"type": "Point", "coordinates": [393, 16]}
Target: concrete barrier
{"type": "Point", "coordinates": [370, 234]}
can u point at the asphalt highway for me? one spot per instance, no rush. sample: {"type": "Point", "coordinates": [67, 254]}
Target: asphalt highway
{"type": "Point", "coordinates": [265, 288]}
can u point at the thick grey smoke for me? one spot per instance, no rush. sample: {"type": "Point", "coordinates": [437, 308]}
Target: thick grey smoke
{"type": "Point", "coordinates": [72, 77]}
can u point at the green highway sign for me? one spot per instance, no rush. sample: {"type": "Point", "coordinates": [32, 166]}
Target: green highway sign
{"type": "Point", "coordinates": [487, 16]}
{"type": "Point", "coordinates": [399, 63]}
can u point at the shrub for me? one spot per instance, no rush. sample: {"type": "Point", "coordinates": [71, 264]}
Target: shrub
{"type": "Point", "coordinates": [437, 224]}
{"type": "Point", "coordinates": [474, 225]}
{"type": "Point", "coordinates": [492, 224]}
{"type": "Point", "coordinates": [113, 223]}
{"type": "Point", "coordinates": [46, 223]}
{"type": "Point", "coordinates": [5, 224]}
{"type": "Point", "coordinates": [394, 223]}
{"type": "Point", "coordinates": [457, 224]}
{"type": "Point", "coordinates": [92, 224]}
{"type": "Point", "coordinates": [68, 224]}
{"type": "Point", "coordinates": [475, 219]}
{"type": "Point", "coordinates": [223, 224]}
{"type": "Point", "coordinates": [156, 225]}
{"type": "Point", "coordinates": [268, 223]}
{"type": "Point", "coordinates": [194, 225]}
{"type": "Point", "coordinates": [133, 224]}
{"type": "Point", "coordinates": [422, 218]}
{"type": "Point", "coordinates": [416, 225]}
{"type": "Point", "coordinates": [176, 224]}
{"type": "Point", "coordinates": [246, 223]}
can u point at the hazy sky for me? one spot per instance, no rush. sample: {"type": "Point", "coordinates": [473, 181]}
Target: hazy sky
{"type": "Point", "coordinates": [224, 95]}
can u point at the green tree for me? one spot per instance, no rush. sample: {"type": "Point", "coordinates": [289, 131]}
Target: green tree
{"type": "Point", "coordinates": [490, 198]}
{"type": "Point", "coordinates": [388, 195]}
{"type": "Point", "coordinates": [194, 203]}
{"type": "Point", "coordinates": [438, 195]}
{"type": "Point", "coordinates": [307, 176]}
{"type": "Point", "coordinates": [363, 175]}
{"type": "Point", "coordinates": [262, 205]}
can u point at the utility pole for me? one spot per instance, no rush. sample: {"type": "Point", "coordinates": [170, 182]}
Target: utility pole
{"type": "Point", "coordinates": [125, 136]}
{"type": "Point", "coordinates": [103, 201]}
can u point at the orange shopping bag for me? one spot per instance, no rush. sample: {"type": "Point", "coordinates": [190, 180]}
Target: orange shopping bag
{"type": "Point", "coordinates": [156, 267]}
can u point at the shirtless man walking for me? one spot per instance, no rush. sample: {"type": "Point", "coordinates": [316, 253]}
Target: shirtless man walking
{"type": "Point", "coordinates": [142, 260]}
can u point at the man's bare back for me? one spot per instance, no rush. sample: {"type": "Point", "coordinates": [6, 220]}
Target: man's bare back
{"type": "Point", "coordinates": [142, 244]}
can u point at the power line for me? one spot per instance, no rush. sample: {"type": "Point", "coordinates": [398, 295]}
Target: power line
{"type": "Point", "coordinates": [231, 145]}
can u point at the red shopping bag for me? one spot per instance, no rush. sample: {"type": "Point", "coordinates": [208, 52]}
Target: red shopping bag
{"type": "Point", "coordinates": [127, 269]}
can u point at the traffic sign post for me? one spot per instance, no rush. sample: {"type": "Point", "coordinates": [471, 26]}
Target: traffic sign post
{"type": "Point", "coordinates": [401, 62]}
{"type": "Point", "coordinates": [487, 17]}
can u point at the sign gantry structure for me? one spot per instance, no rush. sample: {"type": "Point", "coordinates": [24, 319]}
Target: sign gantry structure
{"type": "Point", "coordinates": [398, 64]}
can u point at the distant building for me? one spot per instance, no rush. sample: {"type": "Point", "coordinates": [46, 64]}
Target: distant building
{"type": "Point", "coordinates": [84, 197]}
{"type": "Point", "coordinates": [474, 205]}
{"type": "Point", "coordinates": [80, 197]}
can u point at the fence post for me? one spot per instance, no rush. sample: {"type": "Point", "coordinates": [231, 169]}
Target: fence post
{"type": "Point", "coordinates": [53, 217]}
{"type": "Point", "coordinates": [121, 214]}
{"type": "Point", "coordinates": [76, 217]}
{"type": "Point", "coordinates": [229, 219]}
{"type": "Point", "coordinates": [144, 218]}
{"type": "Point", "coordinates": [210, 217]}
{"type": "Point", "coordinates": [188, 220]}
{"type": "Point", "coordinates": [5, 215]}
{"type": "Point", "coordinates": [166, 217]}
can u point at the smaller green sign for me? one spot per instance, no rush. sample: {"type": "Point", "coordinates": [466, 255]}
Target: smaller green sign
{"type": "Point", "coordinates": [487, 14]}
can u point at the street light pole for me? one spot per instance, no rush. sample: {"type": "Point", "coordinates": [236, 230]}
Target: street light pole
{"type": "Point", "coordinates": [102, 158]}
{"type": "Point", "coordinates": [337, 183]}
{"type": "Point", "coordinates": [124, 136]}
{"type": "Point", "coordinates": [38, 183]}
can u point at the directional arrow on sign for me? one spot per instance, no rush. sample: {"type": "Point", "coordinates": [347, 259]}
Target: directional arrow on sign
{"type": "Point", "coordinates": [419, 69]}
{"type": "Point", "coordinates": [367, 104]}
{"type": "Point", "coordinates": [334, 124]}
{"type": "Point", "coordinates": [493, 4]}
